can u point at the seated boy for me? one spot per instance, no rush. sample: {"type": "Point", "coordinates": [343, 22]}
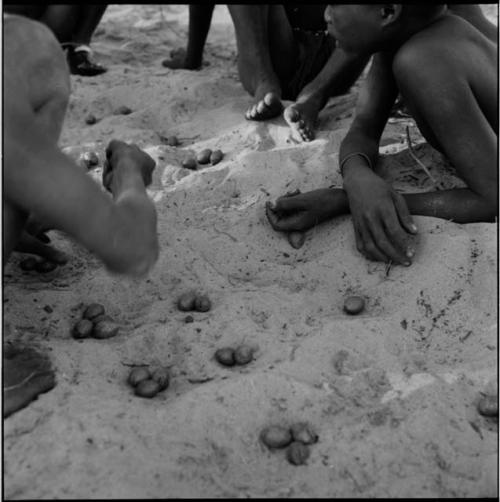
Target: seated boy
{"type": "Point", "coordinates": [39, 179]}
{"type": "Point", "coordinates": [446, 71]}
{"type": "Point", "coordinates": [284, 52]}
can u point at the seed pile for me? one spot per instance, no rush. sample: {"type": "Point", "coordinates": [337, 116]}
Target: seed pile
{"type": "Point", "coordinates": [227, 356]}
{"type": "Point", "coordinates": [204, 157]}
{"type": "Point", "coordinates": [41, 266]}
{"type": "Point", "coordinates": [296, 439]}
{"type": "Point", "coordinates": [191, 300]}
{"type": "Point", "coordinates": [146, 383]}
{"type": "Point", "coordinates": [95, 323]}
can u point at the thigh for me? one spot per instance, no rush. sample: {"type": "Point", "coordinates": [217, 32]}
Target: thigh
{"type": "Point", "coordinates": [282, 44]}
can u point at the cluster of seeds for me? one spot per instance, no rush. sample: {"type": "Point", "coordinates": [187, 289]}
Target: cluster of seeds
{"type": "Point", "coordinates": [148, 384]}
{"type": "Point", "coordinates": [42, 266]}
{"type": "Point", "coordinates": [95, 323]}
{"type": "Point", "coordinates": [296, 439]}
{"type": "Point", "coordinates": [228, 356]}
{"type": "Point", "coordinates": [204, 157]}
{"type": "Point", "coordinates": [191, 300]}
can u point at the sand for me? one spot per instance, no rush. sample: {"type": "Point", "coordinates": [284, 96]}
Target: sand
{"type": "Point", "coordinates": [391, 392]}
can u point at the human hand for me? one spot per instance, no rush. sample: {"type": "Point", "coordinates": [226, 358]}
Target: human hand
{"type": "Point", "coordinates": [121, 157]}
{"type": "Point", "coordinates": [301, 211]}
{"type": "Point", "coordinates": [381, 219]}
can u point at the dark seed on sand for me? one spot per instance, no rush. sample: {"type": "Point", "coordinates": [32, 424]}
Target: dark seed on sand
{"type": "Point", "coordinates": [204, 156]}
{"type": "Point", "coordinates": [123, 110]}
{"type": "Point", "coordinates": [172, 141]}
{"type": "Point", "coordinates": [296, 239]}
{"type": "Point", "coordinates": [91, 159]}
{"type": "Point", "coordinates": [147, 388]}
{"type": "Point", "coordinates": [45, 266]}
{"type": "Point", "coordinates": [202, 304]}
{"type": "Point", "coordinates": [105, 329]}
{"type": "Point", "coordinates": [188, 319]}
{"type": "Point", "coordinates": [92, 311]}
{"type": "Point", "coordinates": [137, 375]}
{"type": "Point", "coordinates": [216, 157]}
{"type": "Point", "coordinates": [276, 436]}
{"type": "Point", "coordinates": [83, 329]}
{"type": "Point", "coordinates": [90, 119]}
{"type": "Point", "coordinates": [161, 377]}
{"type": "Point", "coordinates": [225, 356]}
{"type": "Point", "coordinates": [488, 406]}
{"type": "Point", "coordinates": [102, 317]}
{"type": "Point", "coordinates": [28, 264]}
{"type": "Point", "coordinates": [298, 453]}
{"type": "Point", "coordinates": [243, 354]}
{"type": "Point", "coordinates": [186, 301]}
{"type": "Point", "coordinates": [354, 305]}
{"type": "Point", "coordinates": [190, 163]}
{"type": "Point", "coordinates": [303, 433]}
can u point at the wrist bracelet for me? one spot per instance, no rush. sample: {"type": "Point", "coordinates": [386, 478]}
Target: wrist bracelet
{"type": "Point", "coordinates": [350, 155]}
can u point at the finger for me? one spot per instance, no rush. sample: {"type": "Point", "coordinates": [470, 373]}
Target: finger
{"type": "Point", "coordinates": [294, 222]}
{"type": "Point", "coordinates": [399, 239]}
{"type": "Point", "coordinates": [404, 214]}
{"type": "Point", "coordinates": [288, 204]}
{"type": "Point", "coordinates": [369, 246]}
{"type": "Point", "coordinates": [377, 227]}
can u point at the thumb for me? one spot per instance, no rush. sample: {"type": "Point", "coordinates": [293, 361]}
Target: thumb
{"type": "Point", "coordinates": [404, 214]}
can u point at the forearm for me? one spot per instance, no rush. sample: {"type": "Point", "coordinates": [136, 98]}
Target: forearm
{"type": "Point", "coordinates": [357, 142]}
{"type": "Point", "coordinates": [460, 205]}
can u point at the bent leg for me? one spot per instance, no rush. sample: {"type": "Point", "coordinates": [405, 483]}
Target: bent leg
{"type": "Point", "coordinates": [337, 76]}
{"type": "Point", "coordinates": [255, 61]}
{"type": "Point", "coordinates": [200, 18]}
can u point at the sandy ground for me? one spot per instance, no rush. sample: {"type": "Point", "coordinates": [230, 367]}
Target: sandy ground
{"type": "Point", "coordinates": [392, 392]}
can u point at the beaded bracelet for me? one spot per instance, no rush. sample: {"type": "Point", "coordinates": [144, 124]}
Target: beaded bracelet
{"type": "Point", "coordinates": [350, 155]}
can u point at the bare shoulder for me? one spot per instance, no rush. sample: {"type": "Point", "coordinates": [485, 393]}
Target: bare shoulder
{"type": "Point", "coordinates": [441, 46]}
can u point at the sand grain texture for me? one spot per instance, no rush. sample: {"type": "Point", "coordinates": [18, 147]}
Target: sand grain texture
{"type": "Point", "coordinates": [392, 392]}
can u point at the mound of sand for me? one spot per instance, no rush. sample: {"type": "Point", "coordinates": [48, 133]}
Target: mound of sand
{"type": "Point", "coordinates": [391, 393]}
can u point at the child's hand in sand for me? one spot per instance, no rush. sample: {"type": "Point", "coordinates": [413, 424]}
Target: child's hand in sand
{"type": "Point", "coordinates": [380, 217]}
{"type": "Point", "coordinates": [305, 210]}
{"type": "Point", "coordinates": [122, 161]}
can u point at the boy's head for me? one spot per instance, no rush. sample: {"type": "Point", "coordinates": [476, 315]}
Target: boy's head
{"type": "Point", "coordinates": [370, 28]}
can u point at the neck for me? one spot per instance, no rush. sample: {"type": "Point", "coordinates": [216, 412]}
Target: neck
{"type": "Point", "coordinates": [410, 25]}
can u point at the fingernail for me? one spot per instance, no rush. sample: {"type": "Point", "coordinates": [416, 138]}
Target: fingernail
{"type": "Point", "coordinates": [407, 263]}
{"type": "Point", "coordinates": [410, 252]}
{"type": "Point", "coordinates": [413, 227]}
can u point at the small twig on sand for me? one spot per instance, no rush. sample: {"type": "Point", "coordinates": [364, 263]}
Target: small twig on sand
{"type": "Point", "coordinates": [437, 185]}
{"type": "Point", "coordinates": [388, 268]}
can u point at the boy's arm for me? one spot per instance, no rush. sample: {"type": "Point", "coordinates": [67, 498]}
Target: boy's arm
{"type": "Point", "coordinates": [380, 216]}
{"type": "Point", "coordinates": [40, 179]}
{"type": "Point", "coordinates": [451, 110]}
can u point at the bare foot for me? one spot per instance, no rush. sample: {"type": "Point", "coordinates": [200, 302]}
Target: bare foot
{"type": "Point", "coordinates": [267, 106]}
{"type": "Point", "coordinates": [179, 61]}
{"type": "Point", "coordinates": [26, 374]}
{"type": "Point", "coordinates": [301, 117]}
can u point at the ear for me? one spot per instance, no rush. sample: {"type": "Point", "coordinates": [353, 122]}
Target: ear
{"type": "Point", "coordinates": [390, 12]}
